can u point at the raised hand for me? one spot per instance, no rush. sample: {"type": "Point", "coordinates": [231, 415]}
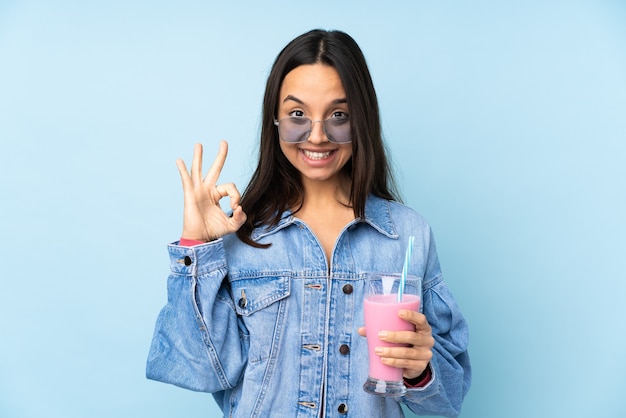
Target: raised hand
{"type": "Point", "coordinates": [203, 217]}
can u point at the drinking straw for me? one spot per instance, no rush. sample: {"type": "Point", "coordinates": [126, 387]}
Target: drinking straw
{"type": "Point", "coordinates": [405, 269]}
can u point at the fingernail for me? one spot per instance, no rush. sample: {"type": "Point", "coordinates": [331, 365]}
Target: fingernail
{"type": "Point", "coordinates": [378, 350]}
{"type": "Point", "coordinates": [382, 334]}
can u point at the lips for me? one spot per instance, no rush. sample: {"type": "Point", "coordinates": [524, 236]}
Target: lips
{"type": "Point", "coordinates": [316, 155]}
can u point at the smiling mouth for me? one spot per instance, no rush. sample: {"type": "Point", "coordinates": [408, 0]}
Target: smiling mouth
{"type": "Point", "coordinates": [317, 155]}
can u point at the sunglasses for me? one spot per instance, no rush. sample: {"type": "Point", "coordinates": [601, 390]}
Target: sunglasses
{"type": "Point", "coordinates": [295, 129]}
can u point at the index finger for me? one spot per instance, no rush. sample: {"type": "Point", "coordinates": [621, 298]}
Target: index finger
{"type": "Point", "coordinates": [416, 318]}
{"type": "Point", "coordinates": [214, 172]}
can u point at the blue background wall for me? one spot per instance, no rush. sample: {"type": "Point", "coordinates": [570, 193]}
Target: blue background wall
{"type": "Point", "coordinates": [505, 121]}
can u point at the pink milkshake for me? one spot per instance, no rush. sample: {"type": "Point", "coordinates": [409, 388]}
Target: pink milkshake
{"type": "Point", "coordinates": [381, 313]}
{"type": "Point", "coordinates": [380, 308]}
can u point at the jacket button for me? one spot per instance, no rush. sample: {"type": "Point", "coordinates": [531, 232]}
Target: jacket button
{"type": "Point", "coordinates": [347, 289]}
{"type": "Point", "coordinates": [187, 260]}
{"type": "Point", "coordinates": [343, 409]}
{"type": "Point", "coordinates": [243, 302]}
{"type": "Point", "coordinates": [344, 349]}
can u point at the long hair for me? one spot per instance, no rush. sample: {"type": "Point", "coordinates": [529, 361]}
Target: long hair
{"type": "Point", "coordinates": [276, 185]}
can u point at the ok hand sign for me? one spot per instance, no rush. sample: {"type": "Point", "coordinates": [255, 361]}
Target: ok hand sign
{"type": "Point", "coordinates": [203, 217]}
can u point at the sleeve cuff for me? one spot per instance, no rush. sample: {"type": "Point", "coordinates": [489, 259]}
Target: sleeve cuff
{"type": "Point", "coordinates": [184, 242]}
{"type": "Point", "coordinates": [421, 380]}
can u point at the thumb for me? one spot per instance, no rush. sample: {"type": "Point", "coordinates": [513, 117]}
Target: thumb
{"type": "Point", "coordinates": [238, 218]}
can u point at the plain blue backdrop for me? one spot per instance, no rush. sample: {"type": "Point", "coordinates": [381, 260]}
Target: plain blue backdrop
{"type": "Point", "coordinates": [506, 124]}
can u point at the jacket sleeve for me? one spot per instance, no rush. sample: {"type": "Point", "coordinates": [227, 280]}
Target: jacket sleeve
{"type": "Point", "coordinates": [450, 365]}
{"type": "Point", "coordinates": [198, 341]}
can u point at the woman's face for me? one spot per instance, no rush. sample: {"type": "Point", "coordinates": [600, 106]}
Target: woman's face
{"type": "Point", "coordinates": [315, 92]}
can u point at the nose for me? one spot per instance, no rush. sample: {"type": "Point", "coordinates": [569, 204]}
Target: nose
{"type": "Point", "coordinates": [317, 135]}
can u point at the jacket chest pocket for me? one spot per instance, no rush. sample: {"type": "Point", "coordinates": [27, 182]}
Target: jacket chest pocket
{"type": "Point", "coordinates": [253, 295]}
{"type": "Point", "coordinates": [260, 302]}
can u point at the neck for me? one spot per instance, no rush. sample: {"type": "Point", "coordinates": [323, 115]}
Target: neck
{"type": "Point", "coordinates": [325, 193]}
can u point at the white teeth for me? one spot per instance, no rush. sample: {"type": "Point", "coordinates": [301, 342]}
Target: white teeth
{"type": "Point", "coordinates": [316, 155]}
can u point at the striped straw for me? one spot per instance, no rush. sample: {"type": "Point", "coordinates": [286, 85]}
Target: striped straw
{"type": "Point", "coordinates": [405, 269]}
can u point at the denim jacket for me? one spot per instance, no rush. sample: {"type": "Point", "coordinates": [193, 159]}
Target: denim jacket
{"type": "Point", "coordinates": [273, 332]}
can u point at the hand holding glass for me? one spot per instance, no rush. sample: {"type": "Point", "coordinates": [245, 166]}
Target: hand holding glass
{"type": "Point", "coordinates": [381, 308]}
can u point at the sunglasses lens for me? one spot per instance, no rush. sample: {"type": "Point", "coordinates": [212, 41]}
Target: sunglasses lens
{"type": "Point", "coordinates": [338, 130]}
{"type": "Point", "coordinates": [294, 129]}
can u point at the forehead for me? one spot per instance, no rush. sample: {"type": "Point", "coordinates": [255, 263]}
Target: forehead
{"type": "Point", "coordinates": [312, 82]}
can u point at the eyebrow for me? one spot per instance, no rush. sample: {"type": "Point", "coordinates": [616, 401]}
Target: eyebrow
{"type": "Point", "coordinates": [295, 99]}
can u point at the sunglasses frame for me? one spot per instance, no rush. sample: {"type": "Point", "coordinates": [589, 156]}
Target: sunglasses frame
{"type": "Point", "coordinates": [308, 133]}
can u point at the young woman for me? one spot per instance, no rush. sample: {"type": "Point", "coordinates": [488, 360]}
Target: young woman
{"type": "Point", "coordinates": [265, 304]}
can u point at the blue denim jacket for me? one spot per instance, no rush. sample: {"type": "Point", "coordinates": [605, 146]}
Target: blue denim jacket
{"type": "Point", "coordinates": [273, 332]}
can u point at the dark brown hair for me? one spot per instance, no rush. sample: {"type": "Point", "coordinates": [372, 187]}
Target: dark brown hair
{"type": "Point", "coordinates": [276, 185]}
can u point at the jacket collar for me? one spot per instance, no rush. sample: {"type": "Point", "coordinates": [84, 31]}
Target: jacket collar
{"type": "Point", "coordinates": [377, 215]}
